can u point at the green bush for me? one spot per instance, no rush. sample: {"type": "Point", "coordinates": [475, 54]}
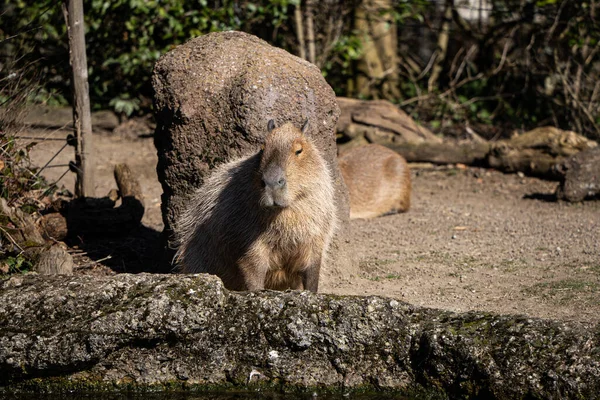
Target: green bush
{"type": "Point", "coordinates": [124, 38]}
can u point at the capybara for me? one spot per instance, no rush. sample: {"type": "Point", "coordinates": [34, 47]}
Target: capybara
{"type": "Point", "coordinates": [378, 181]}
{"type": "Point", "coordinates": [264, 220]}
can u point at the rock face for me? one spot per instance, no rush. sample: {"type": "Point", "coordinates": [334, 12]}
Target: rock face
{"type": "Point", "coordinates": [55, 260]}
{"type": "Point", "coordinates": [580, 176]}
{"type": "Point", "coordinates": [171, 332]}
{"type": "Point", "coordinates": [213, 98]}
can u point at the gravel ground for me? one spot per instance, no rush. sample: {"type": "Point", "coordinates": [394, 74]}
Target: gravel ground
{"type": "Point", "coordinates": [474, 239]}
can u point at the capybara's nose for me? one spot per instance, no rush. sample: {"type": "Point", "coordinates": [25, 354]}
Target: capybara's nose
{"type": "Point", "coordinates": [274, 178]}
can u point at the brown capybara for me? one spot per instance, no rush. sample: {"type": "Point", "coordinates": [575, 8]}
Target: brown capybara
{"type": "Point", "coordinates": [378, 181]}
{"type": "Point", "coordinates": [264, 220]}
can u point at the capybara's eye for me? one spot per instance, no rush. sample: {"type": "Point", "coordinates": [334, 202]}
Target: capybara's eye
{"type": "Point", "coordinates": [299, 151]}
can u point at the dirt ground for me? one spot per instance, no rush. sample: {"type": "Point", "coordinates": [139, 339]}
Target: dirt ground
{"type": "Point", "coordinates": [474, 239]}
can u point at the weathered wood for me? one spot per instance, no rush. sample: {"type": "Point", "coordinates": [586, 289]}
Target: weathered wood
{"type": "Point", "coordinates": [43, 116]}
{"type": "Point", "coordinates": [18, 231]}
{"type": "Point", "coordinates": [551, 140]}
{"type": "Point", "coordinates": [130, 191]}
{"type": "Point", "coordinates": [537, 151]}
{"type": "Point", "coordinates": [529, 161]}
{"type": "Point", "coordinates": [534, 153]}
{"type": "Point", "coordinates": [53, 226]}
{"type": "Point", "coordinates": [381, 118]}
{"type": "Point", "coordinates": [469, 153]}
{"type": "Point", "coordinates": [82, 120]}
{"type": "Point", "coordinates": [580, 176]}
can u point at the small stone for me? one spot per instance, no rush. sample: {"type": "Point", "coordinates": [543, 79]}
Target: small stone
{"type": "Point", "coordinates": [254, 376]}
{"type": "Point", "coordinates": [273, 355]}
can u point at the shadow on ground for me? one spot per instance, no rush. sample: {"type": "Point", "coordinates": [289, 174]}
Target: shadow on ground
{"type": "Point", "coordinates": [133, 252]}
{"type": "Point", "coordinates": [547, 197]}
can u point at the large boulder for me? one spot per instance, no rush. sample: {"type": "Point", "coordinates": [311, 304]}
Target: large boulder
{"type": "Point", "coordinates": [579, 176]}
{"type": "Point", "coordinates": [149, 332]}
{"type": "Point", "coordinates": [213, 98]}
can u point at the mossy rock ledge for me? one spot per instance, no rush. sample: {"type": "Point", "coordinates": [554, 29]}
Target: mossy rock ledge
{"type": "Point", "coordinates": [186, 332]}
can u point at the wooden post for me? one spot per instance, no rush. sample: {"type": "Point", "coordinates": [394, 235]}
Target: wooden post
{"type": "Point", "coordinates": [82, 119]}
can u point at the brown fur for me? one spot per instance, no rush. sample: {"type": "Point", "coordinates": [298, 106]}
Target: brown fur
{"type": "Point", "coordinates": [378, 181]}
{"type": "Point", "coordinates": [244, 227]}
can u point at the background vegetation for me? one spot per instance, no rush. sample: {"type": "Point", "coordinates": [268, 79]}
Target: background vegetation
{"type": "Point", "coordinates": [495, 64]}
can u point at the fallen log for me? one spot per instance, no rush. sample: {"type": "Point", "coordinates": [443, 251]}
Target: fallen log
{"type": "Point", "coordinates": [379, 118]}
{"type": "Point", "coordinates": [468, 153]}
{"type": "Point", "coordinates": [580, 176]}
{"type": "Point", "coordinates": [186, 332]}
{"type": "Point", "coordinates": [531, 162]}
{"type": "Point", "coordinates": [40, 116]}
{"type": "Point", "coordinates": [18, 228]}
{"type": "Point", "coordinates": [536, 152]}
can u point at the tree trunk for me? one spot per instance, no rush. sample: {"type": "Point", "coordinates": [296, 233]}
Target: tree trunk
{"type": "Point", "coordinates": [442, 47]}
{"type": "Point", "coordinates": [300, 31]}
{"type": "Point", "coordinates": [82, 119]}
{"type": "Point", "coordinates": [377, 69]}
{"type": "Point", "coordinates": [310, 31]}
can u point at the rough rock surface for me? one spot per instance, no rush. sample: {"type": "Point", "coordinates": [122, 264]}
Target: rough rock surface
{"type": "Point", "coordinates": [580, 176]}
{"type": "Point", "coordinates": [55, 260]}
{"type": "Point", "coordinates": [213, 98]}
{"type": "Point", "coordinates": [169, 332]}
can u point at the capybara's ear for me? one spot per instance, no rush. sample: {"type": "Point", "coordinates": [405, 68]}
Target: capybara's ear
{"type": "Point", "coordinates": [270, 125]}
{"type": "Point", "coordinates": [304, 126]}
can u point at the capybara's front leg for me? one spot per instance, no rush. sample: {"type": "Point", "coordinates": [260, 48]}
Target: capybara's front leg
{"type": "Point", "coordinates": [310, 276]}
{"type": "Point", "coordinates": [254, 277]}
{"type": "Point", "coordinates": [253, 270]}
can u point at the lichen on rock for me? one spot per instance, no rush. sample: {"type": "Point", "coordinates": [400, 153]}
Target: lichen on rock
{"type": "Point", "coordinates": [186, 332]}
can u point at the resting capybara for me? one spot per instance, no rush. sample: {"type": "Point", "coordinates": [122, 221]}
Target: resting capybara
{"type": "Point", "coordinates": [263, 220]}
{"type": "Point", "coordinates": [378, 181]}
